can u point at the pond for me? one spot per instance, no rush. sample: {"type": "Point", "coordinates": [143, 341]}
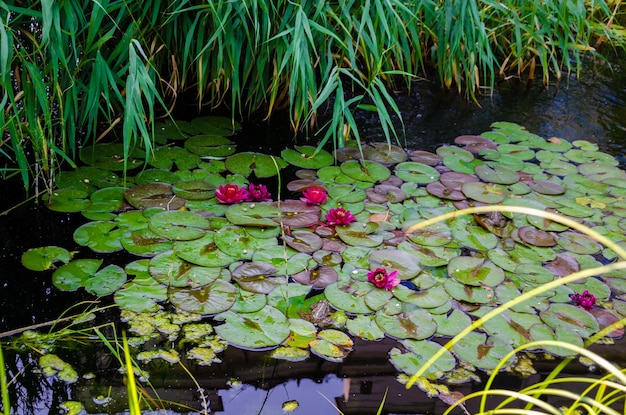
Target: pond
{"type": "Point", "coordinates": [252, 382]}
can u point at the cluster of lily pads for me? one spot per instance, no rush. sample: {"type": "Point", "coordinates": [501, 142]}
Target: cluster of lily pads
{"type": "Point", "coordinates": [221, 261]}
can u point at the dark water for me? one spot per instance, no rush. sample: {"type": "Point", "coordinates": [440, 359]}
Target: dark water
{"type": "Point", "coordinates": [591, 108]}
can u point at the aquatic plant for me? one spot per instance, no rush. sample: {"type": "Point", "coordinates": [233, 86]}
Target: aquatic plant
{"type": "Point", "coordinates": [75, 71]}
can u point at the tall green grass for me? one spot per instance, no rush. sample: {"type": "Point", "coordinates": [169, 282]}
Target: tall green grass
{"type": "Point", "coordinates": [79, 71]}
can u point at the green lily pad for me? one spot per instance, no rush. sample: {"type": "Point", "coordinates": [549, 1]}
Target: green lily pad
{"type": "Point", "coordinates": [178, 225]}
{"type": "Point", "coordinates": [332, 345]}
{"type": "Point", "coordinates": [203, 251]}
{"type": "Point", "coordinates": [420, 351]}
{"type": "Point", "coordinates": [437, 234]}
{"type": "Point", "coordinates": [144, 242]}
{"type": "Point", "coordinates": [365, 170]}
{"type": "Point", "coordinates": [248, 302]}
{"type": "Point", "coordinates": [262, 165]}
{"type": "Point", "coordinates": [141, 296]}
{"type": "Point", "coordinates": [213, 124]}
{"type": "Point", "coordinates": [497, 174]}
{"type": "Point", "coordinates": [415, 324]}
{"type": "Point", "coordinates": [207, 145]}
{"type": "Point", "coordinates": [85, 178]}
{"type": "Point", "coordinates": [267, 327]}
{"type": "Point", "coordinates": [411, 171]}
{"type": "Point", "coordinates": [167, 157]}
{"type": "Point", "coordinates": [475, 271]}
{"type": "Point", "coordinates": [106, 281]}
{"type": "Point", "coordinates": [207, 300]}
{"type": "Point", "coordinates": [167, 268]}
{"type": "Point", "coordinates": [567, 316]}
{"type": "Point", "coordinates": [193, 189]}
{"type": "Point", "coordinates": [252, 214]}
{"type": "Point", "coordinates": [257, 277]}
{"type": "Point", "coordinates": [541, 332]}
{"type": "Point", "coordinates": [385, 153]}
{"type": "Point", "coordinates": [67, 200]}
{"type": "Point", "coordinates": [395, 260]}
{"type": "Point", "coordinates": [298, 214]}
{"type": "Point", "coordinates": [451, 324]}
{"type": "Point", "coordinates": [110, 156]}
{"type": "Point", "coordinates": [365, 327]}
{"type": "Point", "coordinates": [482, 351]}
{"type": "Point", "coordinates": [144, 196]}
{"type": "Point", "coordinates": [430, 256]}
{"type": "Point", "coordinates": [307, 157]}
{"type": "Point", "coordinates": [468, 293]}
{"type": "Point", "coordinates": [346, 193]}
{"type": "Point", "coordinates": [237, 242]}
{"type": "Point", "coordinates": [360, 234]}
{"type": "Point", "coordinates": [485, 192]}
{"type": "Point", "coordinates": [349, 297]}
{"type": "Point", "coordinates": [73, 275]}
{"type": "Point", "coordinates": [428, 298]}
{"type": "Point", "coordinates": [472, 236]}
{"type": "Point", "coordinates": [156, 175]}
{"type": "Point", "coordinates": [99, 236]}
{"type": "Point", "coordinates": [511, 327]}
{"type": "Point", "coordinates": [104, 202]}
{"type": "Point", "coordinates": [578, 243]}
{"type": "Point", "coordinates": [43, 258]}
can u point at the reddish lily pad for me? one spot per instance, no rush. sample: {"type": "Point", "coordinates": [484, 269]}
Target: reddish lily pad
{"type": "Point", "coordinates": [298, 214]}
{"type": "Point", "coordinates": [267, 327]}
{"type": "Point", "coordinates": [319, 277]}
{"type": "Point", "coordinates": [385, 153]}
{"type": "Point", "coordinates": [536, 237]}
{"type": "Point", "coordinates": [424, 157]}
{"type": "Point", "coordinates": [441, 191]}
{"type": "Point", "coordinates": [546, 187]}
{"type": "Point", "coordinates": [475, 143]}
{"type": "Point", "coordinates": [207, 300]}
{"type": "Point", "coordinates": [562, 265]}
{"type": "Point", "coordinates": [304, 241]}
{"type": "Point", "coordinates": [384, 193]}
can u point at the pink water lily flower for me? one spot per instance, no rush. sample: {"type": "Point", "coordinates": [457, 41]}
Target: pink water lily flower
{"type": "Point", "coordinates": [381, 279]}
{"type": "Point", "coordinates": [314, 195]}
{"type": "Point", "coordinates": [339, 217]}
{"type": "Point", "coordinates": [231, 193]}
{"type": "Point", "coordinates": [258, 193]}
{"type": "Point", "coordinates": [585, 300]}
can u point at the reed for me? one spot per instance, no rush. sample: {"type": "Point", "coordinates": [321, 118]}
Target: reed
{"type": "Point", "coordinates": [78, 71]}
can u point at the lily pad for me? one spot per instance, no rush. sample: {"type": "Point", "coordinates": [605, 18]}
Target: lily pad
{"type": "Point", "coordinates": [475, 271]}
{"type": "Point", "coordinates": [365, 170]}
{"type": "Point", "coordinates": [262, 165]}
{"type": "Point", "coordinates": [365, 327]}
{"type": "Point", "coordinates": [248, 302]}
{"type": "Point", "coordinates": [475, 143]}
{"type": "Point", "coordinates": [237, 242]}
{"type": "Point", "coordinates": [428, 298]}
{"type": "Point", "coordinates": [349, 296]}
{"type": "Point", "coordinates": [536, 237]}
{"type": "Point", "coordinates": [482, 351]}
{"type": "Point", "coordinates": [73, 275]}
{"type": "Point", "coordinates": [67, 200]}
{"type": "Point", "coordinates": [437, 234]}
{"type": "Point", "coordinates": [298, 214]}
{"type": "Point", "coordinates": [360, 234]}
{"type": "Point", "coordinates": [141, 296]}
{"type": "Point", "coordinates": [415, 324]}
{"type": "Point", "coordinates": [319, 277]}
{"type": "Point", "coordinates": [485, 192]}
{"type": "Point", "coordinates": [567, 316]}
{"type": "Point", "coordinates": [178, 225]}
{"type": "Point", "coordinates": [257, 277]}
{"type": "Point", "coordinates": [110, 156]}
{"type": "Point", "coordinates": [106, 281]}
{"type": "Point", "coordinates": [346, 193]}
{"type": "Point", "coordinates": [193, 189]}
{"type": "Point", "coordinates": [144, 242]}
{"type": "Point", "coordinates": [99, 236]}
{"type": "Point", "coordinates": [207, 300]}
{"type": "Point", "coordinates": [307, 157]}
{"type": "Point", "coordinates": [252, 214]}
{"type": "Point", "coordinates": [167, 157]}
{"type": "Point", "coordinates": [332, 345]}
{"type": "Point", "coordinates": [304, 241]}
{"type": "Point", "coordinates": [203, 251]}
{"type": "Point", "coordinates": [406, 264]}
{"type": "Point", "coordinates": [385, 153]}
{"type": "Point", "coordinates": [267, 327]}
{"type": "Point", "coordinates": [43, 258]}
{"type": "Point", "coordinates": [468, 293]}
{"type": "Point", "coordinates": [411, 171]}
{"type": "Point", "coordinates": [451, 324]}
{"type": "Point", "coordinates": [207, 145]}
{"type": "Point", "coordinates": [144, 196]}
{"type": "Point", "coordinates": [420, 353]}
{"type": "Point", "coordinates": [167, 268]}
{"type": "Point", "coordinates": [578, 243]}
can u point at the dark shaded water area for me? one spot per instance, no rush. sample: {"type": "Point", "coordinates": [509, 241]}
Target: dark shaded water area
{"type": "Point", "coordinates": [590, 108]}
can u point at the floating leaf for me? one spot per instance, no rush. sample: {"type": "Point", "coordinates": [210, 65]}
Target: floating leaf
{"type": "Point", "coordinates": [482, 351]}
{"type": "Point", "coordinates": [475, 143]}
{"type": "Point", "coordinates": [365, 170]}
{"type": "Point", "coordinates": [485, 192]}
{"type": "Point", "coordinates": [468, 293]}
{"type": "Point", "coordinates": [209, 299]}
{"type": "Point", "coordinates": [257, 277]}
{"type": "Point", "coordinates": [298, 214]}
{"type": "Point", "coordinates": [100, 236]}
{"type": "Point", "coordinates": [415, 324]}
{"type": "Point", "coordinates": [106, 281]}
{"type": "Point", "coordinates": [237, 242]}
{"type": "Point", "coordinates": [332, 345]}
{"type": "Point", "coordinates": [537, 237]}
{"type": "Point", "coordinates": [166, 157]}
{"type": "Point", "coordinates": [262, 165]}
{"type": "Point", "coordinates": [406, 264]}
{"type": "Point", "coordinates": [437, 234]}
{"type": "Point", "coordinates": [385, 153]}
{"type": "Point", "coordinates": [73, 275]}
{"type": "Point", "coordinates": [413, 172]}
{"type": "Point", "coordinates": [203, 251]}
{"type": "Point", "coordinates": [360, 234]}
{"type": "Point", "coordinates": [428, 298]}
{"type": "Point", "coordinates": [567, 316]}
{"type": "Point", "coordinates": [365, 327]}
{"type": "Point", "coordinates": [252, 214]}
{"type": "Point", "coordinates": [304, 241]}
{"type": "Point", "coordinates": [167, 268]}
{"type": "Point", "coordinates": [265, 328]}
{"type": "Point", "coordinates": [420, 353]}
{"type": "Point", "coordinates": [194, 189]}
{"type": "Point", "coordinates": [149, 195]}
{"type": "Point", "coordinates": [178, 225]}
{"type": "Point", "coordinates": [67, 200]}
{"type": "Point", "coordinates": [451, 324]}
{"type": "Point", "coordinates": [142, 296]}
{"type": "Point", "coordinates": [578, 243]}
{"type": "Point", "coordinates": [43, 258]}
{"type": "Point", "coordinates": [110, 156]}
{"type": "Point", "coordinates": [307, 157]}
{"type": "Point", "coordinates": [349, 296]}
{"type": "Point", "coordinates": [144, 242]}
{"type": "Point", "coordinates": [210, 145]}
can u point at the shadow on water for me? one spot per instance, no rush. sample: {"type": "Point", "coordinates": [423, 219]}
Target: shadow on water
{"type": "Point", "coordinates": [591, 108]}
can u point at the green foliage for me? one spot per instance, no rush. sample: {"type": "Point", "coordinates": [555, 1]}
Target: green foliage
{"type": "Point", "coordinates": [73, 72]}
